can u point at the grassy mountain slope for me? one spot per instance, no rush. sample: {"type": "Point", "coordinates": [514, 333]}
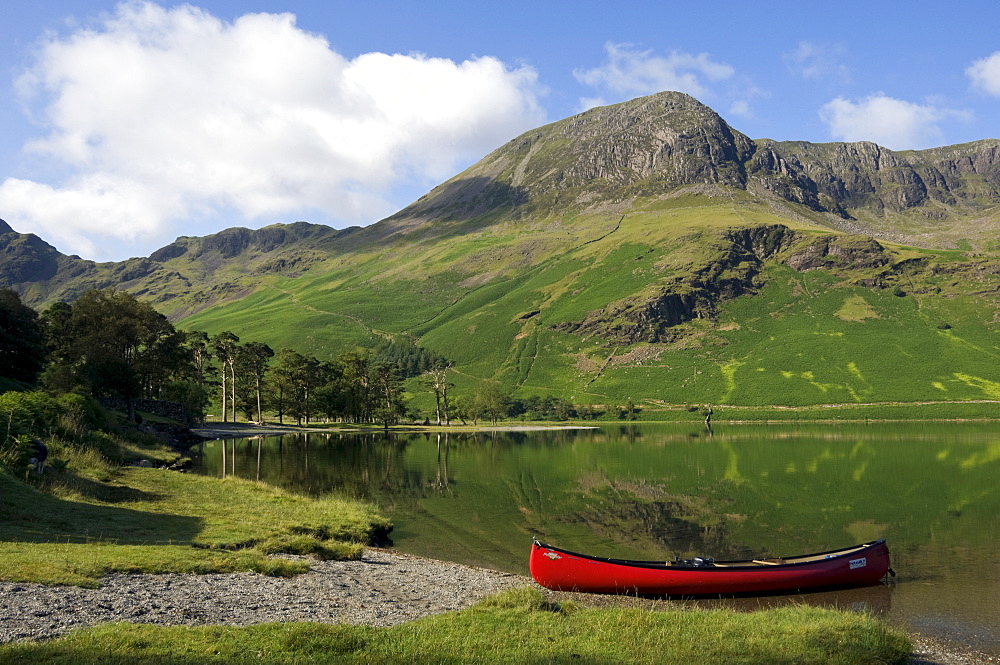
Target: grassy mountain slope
{"type": "Point", "coordinates": [645, 250]}
{"type": "Point", "coordinates": [913, 325]}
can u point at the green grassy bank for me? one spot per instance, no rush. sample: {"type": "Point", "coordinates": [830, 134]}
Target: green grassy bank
{"type": "Point", "coordinates": [515, 627]}
{"type": "Point", "coordinates": [152, 520]}
{"type": "Point", "coordinates": [93, 512]}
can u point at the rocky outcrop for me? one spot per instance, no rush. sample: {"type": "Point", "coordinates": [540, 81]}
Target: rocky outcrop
{"type": "Point", "coordinates": [841, 177]}
{"type": "Point", "coordinates": [669, 139]}
{"type": "Point", "coordinates": [856, 252]}
{"type": "Point", "coordinates": [162, 408]}
{"type": "Point", "coordinates": [238, 241]}
{"type": "Point", "coordinates": [651, 315]}
{"type": "Point", "coordinates": [25, 258]}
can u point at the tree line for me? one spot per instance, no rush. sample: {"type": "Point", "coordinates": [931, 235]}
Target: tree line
{"type": "Point", "coordinates": [109, 343]}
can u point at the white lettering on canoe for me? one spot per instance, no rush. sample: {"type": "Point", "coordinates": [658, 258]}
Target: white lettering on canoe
{"type": "Point", "coordinates": [858, 563]}
{"type": "Point", "coordinates": [552, 555]}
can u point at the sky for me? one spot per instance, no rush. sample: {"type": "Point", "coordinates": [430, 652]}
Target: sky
{"type": "Point", "coordinates": [128, 124]}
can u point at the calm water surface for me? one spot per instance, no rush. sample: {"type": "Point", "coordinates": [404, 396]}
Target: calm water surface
{"type": "Point", "coordinates": [653, 491]}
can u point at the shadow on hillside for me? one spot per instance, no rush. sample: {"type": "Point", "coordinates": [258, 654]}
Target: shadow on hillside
{"type": "Point", "coordinates": [462, 201]}
{"type": "Point", "coordinates": [97, 491]}
{"type": "Point", "coordinates": [30, 516]}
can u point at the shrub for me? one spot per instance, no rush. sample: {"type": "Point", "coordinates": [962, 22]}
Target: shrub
{"type": "Point", "coordinates": [33, 414]}
{"type": "Point", "coordinates": [16, 453]}
{"type": "Point", "coordinates": [80, 414]}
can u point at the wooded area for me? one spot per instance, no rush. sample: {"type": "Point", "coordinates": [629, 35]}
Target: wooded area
{"type": "Point", "coordinates": [108, 343]}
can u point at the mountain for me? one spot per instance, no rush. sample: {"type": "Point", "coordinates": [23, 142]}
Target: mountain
{"type": "Point", "coordinates": [655, 145]}
{"type": "Point", "coordinates": [645, 250]}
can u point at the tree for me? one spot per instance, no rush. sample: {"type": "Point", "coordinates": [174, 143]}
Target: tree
{"type": "Point", "coordinates": [490, 400]}
{"type": "Point", "coordinates": [437, 379]}
{"type": "Point", "coordinates": [225, 345]}
{"type": "Point", "coordinates": [253, 359]}
{"type": "Point", "coordinates": [281, 386]}
{"type": "Point", "coordinates": [58, 323]}
{"type": "Point", "coordinates": [331, 396]}
{"type": "Point", "coordinates": [119, 345]}
{"type": "Point", "coordinates": [201, 354]}
{"type": "Point", "coordinates": [629, 411]}
{"type": "Point", "coordinates": [464, 408]}
{"type": "Point", "coordinates": [299, 376]}
{"type": "Point", "coordinates": [22, 347]}
{"type": "Point", "coordinates": [387, 388]}
{"type": "Point", "coordinates": [356, 380]}
{"type": "Point", "coordinates": [193, 395]}
{"type": "Point", "coordinates": [59, 376]}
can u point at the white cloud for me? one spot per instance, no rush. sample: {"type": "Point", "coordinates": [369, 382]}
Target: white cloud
{"type": "Point", "coordinates": [166, 114]}
{"type": "Point", "coordinates": [629, 72]}
{"type": "Point", "coordinates": [892, 123]}
{"type": "Point", "coordinates": [815, 62]}
{"type": "Point", "coordinates": [740, 107]}
{"type": "Point", "coordinates": [75, 217]}
{"type": "Point", "coordinates": [985, 74]}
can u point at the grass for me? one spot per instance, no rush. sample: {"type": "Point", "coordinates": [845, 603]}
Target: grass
{"type": "Point", "coordinates": [515, 627]}
{"type": "Point", "coordinates": [152, 520]}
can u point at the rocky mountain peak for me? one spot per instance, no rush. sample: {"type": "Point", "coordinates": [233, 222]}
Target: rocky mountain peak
{"type": "Point", "coordinates": [669, 137]}
{"type": "Point", "coordinates": [652, 145]}
{"type": "Point", "coordinates": [658, 142]}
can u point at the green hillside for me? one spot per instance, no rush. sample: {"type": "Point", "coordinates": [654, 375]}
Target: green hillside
{"type": "Point", "coordinates": [644, 251]}
{"type": "Point", "coordinates": [920, 327]}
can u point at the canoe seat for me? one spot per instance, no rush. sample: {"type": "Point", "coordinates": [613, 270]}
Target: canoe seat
{"type": "Point", "coordinates": [769, 562]}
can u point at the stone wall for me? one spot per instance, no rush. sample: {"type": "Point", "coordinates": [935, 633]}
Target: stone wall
{"type": "Point", "coordinates": [173, 410]}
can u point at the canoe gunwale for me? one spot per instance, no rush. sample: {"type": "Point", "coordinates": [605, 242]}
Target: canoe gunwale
{"type": "Point", "coordinates": [729, 566]}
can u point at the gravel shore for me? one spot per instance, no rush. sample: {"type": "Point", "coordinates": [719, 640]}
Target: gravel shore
{"type": "Point", "coordinates": [384, 588]}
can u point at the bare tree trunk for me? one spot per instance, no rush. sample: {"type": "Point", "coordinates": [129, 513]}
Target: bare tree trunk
{"type": "Point", "coordinates": [439, 378]}
{"type": "Point", "coordinates": [232, 386]}
{"type": "Point", "coordinates": [260, 417]}
{"type": "Point", "coordinates": [224, 413]}
{"type": "Point", "coordinates": [444, 393]}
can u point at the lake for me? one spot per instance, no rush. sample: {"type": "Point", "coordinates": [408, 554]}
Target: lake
{"type": "Point", "coordinates": [658, 491]}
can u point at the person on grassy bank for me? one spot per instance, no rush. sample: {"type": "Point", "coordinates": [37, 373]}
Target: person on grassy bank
{"type": "Point", "coordinates": [41, 454]}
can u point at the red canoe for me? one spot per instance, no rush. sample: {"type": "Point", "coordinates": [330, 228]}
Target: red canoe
{"type": "Point", "coordinates": [561, 570]}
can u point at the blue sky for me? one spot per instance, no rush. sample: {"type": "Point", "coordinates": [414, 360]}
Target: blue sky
{"type": "Point", "coordinates": [128, 124]}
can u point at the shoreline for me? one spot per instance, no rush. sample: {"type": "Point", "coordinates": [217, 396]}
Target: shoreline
{"type": "Point", "coordinates": [383, 588]}
{"type": "Point", "coordinates": [215, 431]}
{"type": "Point", "coordinates": [219, 430]}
